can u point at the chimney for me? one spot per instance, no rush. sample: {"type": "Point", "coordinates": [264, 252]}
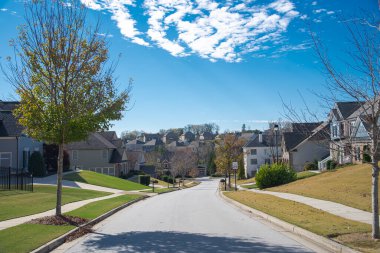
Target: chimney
{"type": "Point", "coordinates": [261, 138]}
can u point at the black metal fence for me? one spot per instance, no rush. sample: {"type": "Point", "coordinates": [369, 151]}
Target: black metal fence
{"type": "Point", "coordinates": [15, 179]}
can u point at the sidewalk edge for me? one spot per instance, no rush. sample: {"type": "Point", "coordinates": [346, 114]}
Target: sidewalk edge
{"type": "Point", "coordinates": [303, 233]}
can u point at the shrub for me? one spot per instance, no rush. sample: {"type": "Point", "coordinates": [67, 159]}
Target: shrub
{"type": "Point", "coordinates": [167, 179]}
{"type": "Point", "coordinates": [367, 158]}
{"type": "Point", "coordinates": [331, 164]}
{"type": "Point", "coordinates": [36, 165]}
{"type": "Point", "coordinates": [275, 174]}
{"type": "Point", "coordinates": [310, 166]}
{"type": "Point", "coordinates": [145, 180]}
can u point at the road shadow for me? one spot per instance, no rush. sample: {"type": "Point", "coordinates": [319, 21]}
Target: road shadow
{"type": "Point", "coordinates": [178, 242]}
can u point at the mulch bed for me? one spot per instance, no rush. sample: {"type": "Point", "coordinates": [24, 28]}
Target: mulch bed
{"type": "Point", "coordinates": [59, 220]}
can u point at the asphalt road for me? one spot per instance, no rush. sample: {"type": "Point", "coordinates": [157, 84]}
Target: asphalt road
{"type": "Point", "coordinates": [191, 220]}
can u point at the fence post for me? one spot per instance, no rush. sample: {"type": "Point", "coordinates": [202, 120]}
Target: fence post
{"type": "Point", "coordinates": [9, 178]}
{"type": "Point", "coordinates": [32, 181]}
{"type": "Point", "coordinates": [22, 179]}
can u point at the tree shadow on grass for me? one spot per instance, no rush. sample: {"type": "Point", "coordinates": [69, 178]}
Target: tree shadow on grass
{"type": "Point", "coordinates": [166, 242]}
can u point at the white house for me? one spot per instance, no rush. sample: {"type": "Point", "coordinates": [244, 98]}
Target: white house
{"type": "Point", "coordinates": [261, 149]}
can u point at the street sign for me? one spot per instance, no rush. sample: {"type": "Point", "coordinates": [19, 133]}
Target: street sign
{"type": "Point", "coordinates": [234, 165]}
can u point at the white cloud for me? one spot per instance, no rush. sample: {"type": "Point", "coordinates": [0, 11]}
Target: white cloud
{"type": "Point", "coordinates": [213, 30]}
{"type": "Point", "coordinates": [319, 10]}
{"type": "Point", "coordinates": [3, 9]}
{"type": "Point", "coordinates": [120, 14]}
{"type": "Point", "coordinates": [314, 3]}
{"type": "Point", "coordinates": [330, 12]}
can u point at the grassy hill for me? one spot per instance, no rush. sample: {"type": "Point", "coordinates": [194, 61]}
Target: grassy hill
{"type": "Point", "coordinates": [99, 179]}
{"type": "Point", "coordinates": [349, 186]}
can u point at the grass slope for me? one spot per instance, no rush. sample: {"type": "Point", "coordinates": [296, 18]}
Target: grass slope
{"type": "Point", "coordinates": [27, 237]}
{"type": "Point", "coordinates": [15, 204]}
{"type": "Point", "coordinates": [95, 209]}
{"type": "Point", "coordinates": [302, 215]}
{"type": "Point", "coordinates": [349, 186]}
{"type": "Point", "coordinates": [99, 179]}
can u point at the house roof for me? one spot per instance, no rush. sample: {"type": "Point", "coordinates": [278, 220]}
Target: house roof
{"type": "Point", "coordinates": [93, 141]}
{"type": "Point", "coordinates": [109, 135]}
{"type": "Point", "coordinates": [149, 169]}
{"type": "Point", "coordinates": [254, 142]}
{"type": "Point", "coordinates": [305, 127]}
{"type": "Point", "coordinates": [117, 156]}
{"type": "Point", "coordinates": [151, 143]}
{"type": "Point", "coordinates": [9, 126]}
{"type": "Point", "coordinates": [348, 108]}
{"type": "Point", "coordinates": [134, 142]}
{"type": "Point", "coordinates": [292, 139]}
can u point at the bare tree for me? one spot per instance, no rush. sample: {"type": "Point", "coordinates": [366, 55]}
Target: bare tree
{"type": "Point", "coordinates": [182, 162]}
{"type": "Point", "coordinates": [359, 83]}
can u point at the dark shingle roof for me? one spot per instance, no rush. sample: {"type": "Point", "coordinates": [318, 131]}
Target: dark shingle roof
{"type": "Point", "coordinates": [9, 126]}
{"type": "Point", "coordinates": [117, 156]}
{"type": "Point", "coordinates": [266, 142]}
{"type": "Point", "coordinates": [292, 139]}
{"type": "Point", "coordinates": [108, 135]}
{"type": "Point", "coordinates": [94, 141]}
{"type": "Point", "coordinates": [134, 142]}
{"type": "Point", "coordinates": [305, 127]}
{"type": "Point", "coordinates": [348, 108]}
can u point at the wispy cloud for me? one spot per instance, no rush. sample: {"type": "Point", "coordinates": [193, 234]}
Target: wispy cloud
{"type": "Point", "coordinates": [207, 28]}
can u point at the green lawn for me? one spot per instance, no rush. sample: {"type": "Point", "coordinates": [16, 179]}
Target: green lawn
{"type": "Point", "coordinates": [249, 186]}
{"type": "Point", "coordinates": [27, 237]}
{"type": "Point", "coordinates": [15, 204]}
{"type": "Point", "coordinates": [32, 236]}
{"type": "Point", "coordinates": [351, 233]}
{"type": "Point", "coordinates": [95, 209]}
{"type": "Point", "coordinates": [349, 186]}
{"type": "Point", "coordinates": [99, 179]}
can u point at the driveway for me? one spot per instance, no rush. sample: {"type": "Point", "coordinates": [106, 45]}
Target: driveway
{"type": "Point", "coordinates": [191, 220]}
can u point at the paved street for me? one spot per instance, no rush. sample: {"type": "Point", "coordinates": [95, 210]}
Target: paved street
{"type": "Point", "coordinates": [191, 220]}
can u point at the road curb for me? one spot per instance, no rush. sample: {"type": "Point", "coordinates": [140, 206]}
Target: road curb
{"type": "Point", "coordinates": [321, 241]}
{"type": "Point", "coordinates": [62, 239]}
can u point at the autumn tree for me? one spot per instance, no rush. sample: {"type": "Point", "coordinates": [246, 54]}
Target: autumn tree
{"type": "Point", "coordinates": [62, 74]}
{"type": "Point", "coordinates": [228, 150]}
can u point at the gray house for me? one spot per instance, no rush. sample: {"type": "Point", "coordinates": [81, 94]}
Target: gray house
{"type": "Point", "coordinates": [101, 152]}
{"type": "Point", "coordinates": [15, 147]}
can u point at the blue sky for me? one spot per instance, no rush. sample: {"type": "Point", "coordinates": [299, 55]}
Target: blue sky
{"type": "Point", "coordinates": [205, 61]}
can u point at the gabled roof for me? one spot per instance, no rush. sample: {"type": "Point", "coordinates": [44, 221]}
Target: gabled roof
{"type": "Point", "coordinates": [93, 141]}
{"type": "Point", "coordinates": [305, 127]}
{"type": "Point", "coordinates": [109, 135]}
{"type": "Point", "coordinates": [118, 156]}
{"type": "Point", "coordinates": [347, 108]}
{"type": "Point", "coordinates": [9, 126]}
{"type": "Point", "coordinates": [151, 143]}
{"type": "Point", "coordinates": [292, 139]}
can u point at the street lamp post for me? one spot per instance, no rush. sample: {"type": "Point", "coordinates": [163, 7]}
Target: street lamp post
{"type": "Point", "coordinates": [275, 128]}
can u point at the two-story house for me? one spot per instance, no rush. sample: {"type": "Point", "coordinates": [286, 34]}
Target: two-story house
{"type": "Point", "coordinates": [101, 152]}
{"type": "Point", "coordinates": [304, 143]}
{"type": "Point", "coordinates": [15, 146]}
{"type": "Point", "coordinates": [261, 149]}
{"type": "Point", "coordinates": [344, 119]}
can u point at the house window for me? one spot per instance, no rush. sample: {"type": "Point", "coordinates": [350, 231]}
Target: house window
{"type": "Point", "coordinates": [5, 159]}
{"type": "Point", "coordinates": [105, 155]}
{"type": "Point", "coordinates": [25, 158]}
{"type": "Point", "coordinates": [253, 152]}
{"type": "Point", "coordinates": [253, 161]}
{"type": "Point", "coordinates": [75, 155]}
{"type": "Point", "coordinates": [267, 161]}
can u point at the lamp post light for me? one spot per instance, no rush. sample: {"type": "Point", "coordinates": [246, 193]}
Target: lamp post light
{"type": "Point", "coordinates": [275, 128]}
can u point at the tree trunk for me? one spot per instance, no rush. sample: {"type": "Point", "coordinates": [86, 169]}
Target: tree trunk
{"type": "Point", "coordinates": [58, 211]}
{"type": "Point", "coordinates": [375, 200]}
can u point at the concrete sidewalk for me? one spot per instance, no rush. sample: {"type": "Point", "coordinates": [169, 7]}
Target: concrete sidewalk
{"type": "Point", "coordinates": [324, 205]}
{"type": "Point", "coordinates": [52, 180]}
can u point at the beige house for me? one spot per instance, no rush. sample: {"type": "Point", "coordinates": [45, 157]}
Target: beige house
{"type": "Point", "coordinates": [101, 152]}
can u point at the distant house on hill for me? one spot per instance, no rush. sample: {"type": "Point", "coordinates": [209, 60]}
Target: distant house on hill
{"type": "Point", "coordinates": [206, 136]}
{"type": "Point", "coordinates": [15, 146]}
{"type": "Point", "coordinates": [134, 145]}
{"type": "Point", "coordinates": [170, 137]}
{"type": "Point", "coordinates": [260, 149]}
{"type": "Point", "coordinates": [188, 137]}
